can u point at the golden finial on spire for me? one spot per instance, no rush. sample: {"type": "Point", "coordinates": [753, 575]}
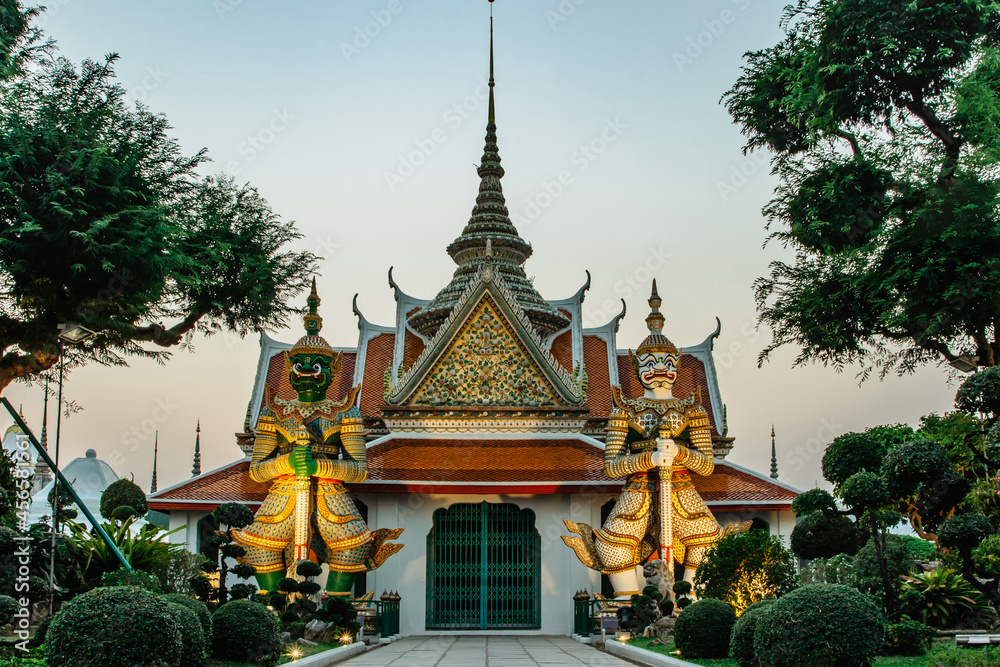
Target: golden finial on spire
{"type": "Point", "coordinates": [492, 116]}
{"type": "Point", "coordinates": [656, 341]}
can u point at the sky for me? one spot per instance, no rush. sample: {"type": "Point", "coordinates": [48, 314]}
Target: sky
{"type": "Point", "coordinates": [363, 122]}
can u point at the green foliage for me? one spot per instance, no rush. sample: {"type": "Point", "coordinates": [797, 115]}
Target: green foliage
{"type": "Point", "coordinates": [245, 631]}
{"type": "Point", "coordinates": [308, 568]}
{"type": "Point", "coordinates": [192, 636]}
{"type": "Point", "coordinates": [682, 587]}
{"type": "Point", "coordinates": [176, 570]}
{"type": "Point", "coordinates": [851, 453]}
{"type": "Point", "coordinates": [864, 490]}
{"type": "Point", "coordinates": [200, 610]}
{"type": "Point", "coordinates": [918, 548]}
{"type": "Point", "coordinates": [143, 550]}
{"type": "Point", "coordinates": [744, 568]}
{"type": "Point", "coordinates": [907, 638]}
{"type": "Point", "coordinates": [821, 535]}
{"type": "Point", "coordinates": [288, 585]}
{"type": "Point", "coordinates": [741, 640]}
{"type": "Point", "coordinates": [813, 500]}
{"type": "Point", "coordinates": [107, 224]}
{"type": "Point", "coordinates": [645, 609]}
{"type": "Point", "coordinates": [964, 532]}
{"type": "Point", "coordinates": [339, 612]}
{"type": "Point", "coordinates": [121, 626]}
{"type": "Point", "coordinates": [980, 393]}
{"type": "Point", "coordinates": [898, 562]}
{"type": "Point", "coordinates": [836, 570]}
{"type": "Point", "coordinates": [124, 512]}
{"type": "Point", "coordinates": [137, 578]}
{"type": "Point", "coordinates": [233, 515]}
{"type": "Point", "coordinates": [8, 606]}
{"type": "Point", "coordinates": [883, 119]}
{"type": "Point", "coordinates": [242, 591]}
{"type": "Point", "coordinates": [123, 493]}
{"type": "Point", "coordinates": [941, 599]}
{"type": "Point", "coordinates": [822, 625]}
{"type": "Point", "coordinates": [68, 564]}
{"type": "Point", "coordinates": [9, 485]}
{"type": "Point", "coordinates": [65, 502]}
{"type": "Point", "coordinates": [987, 556]}
{"type": "Point", "coordinates": [703, 628]}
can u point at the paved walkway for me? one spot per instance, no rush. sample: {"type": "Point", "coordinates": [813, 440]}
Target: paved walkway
{"type": "Point", "coordinates": [479, 651]}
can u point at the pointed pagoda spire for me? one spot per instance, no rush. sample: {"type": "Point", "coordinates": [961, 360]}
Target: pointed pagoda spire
{"type": "Point", "coordinates": [196, 468]}
{"type": "Point", "coordinates": [156, 447]}
{"type": "Point", "coordinates": [774, 456]}
{"type": "Point", "coordinates": [656, 342]}
{"type": "Point", "coordinates": [490, 221]}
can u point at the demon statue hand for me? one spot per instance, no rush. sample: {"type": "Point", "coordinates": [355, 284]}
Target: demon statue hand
{"type": "Point", "coordinates": [653, 442]}
{"type": "Point", "coordinates": [307, 448]}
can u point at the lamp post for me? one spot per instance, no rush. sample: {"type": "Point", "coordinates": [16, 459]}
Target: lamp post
{"type": "Point", "coordinates": [72, 334]}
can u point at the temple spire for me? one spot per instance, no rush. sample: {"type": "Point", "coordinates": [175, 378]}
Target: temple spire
{"type": "Point", "coordinates": [492, 117]}
{"type": "Point", "coordinates": [196, 468]}
{"type": "Point", "coordinates": [156, 446]}
{"type": "Point", "coordinates": [45, 421]}
{"type": "Point", "coordinates": [774, 456]}
{"type": "Point", "coordinates": [490, 219]}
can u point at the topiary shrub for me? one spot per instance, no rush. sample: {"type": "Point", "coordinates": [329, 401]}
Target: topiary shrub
{"type": "Point", "coordinates": [741, 639]}
{"type": "Point", "coordinates": [120, 626]}
{"type": "Point", "coordinates": [124, 492]}
{"type": "Point", "coordinates": [702, 630]}
{"type": "Point", "coordinates": [200, 610]}
{"type": "Point", "coordinates": [192, 635]}
{"type": "Point", "coordinates": [907, 638]}
{"type": "Point", "coordinates": [824, 535]}
{"type": "Point", "coordinates": [136, 578]}
{"type": "Point", "coordinates": [244, 631]}
{"type": "Point", "coordinates": [821, 625]}
{"type": "Point", "coordinates": [898, 562]}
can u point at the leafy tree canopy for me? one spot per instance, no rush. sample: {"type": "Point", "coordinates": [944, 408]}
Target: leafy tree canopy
{"type": "Point", "coordinates": [105, 223]}
{"type": "Point", "coordinates": [884, 120]}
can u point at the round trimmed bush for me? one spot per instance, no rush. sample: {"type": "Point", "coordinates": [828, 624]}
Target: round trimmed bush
{"type": "Point", "coordinates": [741, 639]}
{"type": "Point", "coordinates": [123, 492]}
{"type": "Point", "coordinates": [244, 631]}
{"type": "Point", "coordinates": [119, 626]}
{"type": "Point", "coordinates": [703, 628]}
{"type": "Point", "coordinates": [820, 625]}
{"type": "Point", "coordinates": [200, 610]}
{"type": "Point", "coordinates": [192, 636]}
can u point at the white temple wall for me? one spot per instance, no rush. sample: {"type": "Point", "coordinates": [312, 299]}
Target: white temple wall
{"type": "Point", "coordinates": [562, 574]}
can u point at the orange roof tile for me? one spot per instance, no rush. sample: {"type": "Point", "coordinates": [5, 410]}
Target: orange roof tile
{"type": "Point", "coordinates": [378, 357]}
{"type": "Point", "coordinates": [562, 350]}
{"type": "Point", "coordinates": [595, 360]}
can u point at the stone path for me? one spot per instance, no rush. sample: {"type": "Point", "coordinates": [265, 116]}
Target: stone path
{"type": "Point", "coordinates": [480, 651]}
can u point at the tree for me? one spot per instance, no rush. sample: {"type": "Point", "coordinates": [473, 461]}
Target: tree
{"type": "Point", "coordinates": [105, 224]}
{"type": "Point", "coordinates": [232, 516]}
{"type": "Point", "coordinates": [744, 568]}
{"type": "Point", "coordinates": [882, 117]}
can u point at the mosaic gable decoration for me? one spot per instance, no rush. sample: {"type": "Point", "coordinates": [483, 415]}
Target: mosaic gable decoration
{"type": "Point", "coordinates": [487, 354]}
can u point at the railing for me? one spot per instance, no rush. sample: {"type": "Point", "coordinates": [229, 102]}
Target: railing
{"type": "Point", "coordinates": [589, 616]}
{"type": "Point", "coordinates": [381, 617]}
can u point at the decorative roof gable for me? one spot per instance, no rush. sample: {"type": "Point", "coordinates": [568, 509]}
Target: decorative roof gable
{"type": "Point", "coordinates": [486, 355]}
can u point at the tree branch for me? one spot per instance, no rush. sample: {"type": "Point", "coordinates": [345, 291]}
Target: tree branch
{"type": "Point", "coordinates": [852, 140]}
{"type": "Point", "coordinates": [952, 144]}
{"type": "Point", "coordinates": [164, 337]}
{"type": "Point", "coordinates": [14, 365]}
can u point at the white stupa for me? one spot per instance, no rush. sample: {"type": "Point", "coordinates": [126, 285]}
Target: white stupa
{"type": "Point", "coordinates": [89, 476]}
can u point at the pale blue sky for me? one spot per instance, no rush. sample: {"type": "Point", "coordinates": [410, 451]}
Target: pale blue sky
{"type": "Point", "coordinates": [329, 127]}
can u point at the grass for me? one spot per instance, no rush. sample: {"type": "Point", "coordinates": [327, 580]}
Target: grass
{"type": "Point", "coordinates": [942, 654]}
{"type": "Point", "coordinates": [285, 658]}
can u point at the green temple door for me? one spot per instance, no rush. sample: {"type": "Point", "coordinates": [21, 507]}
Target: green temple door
{"type": "Point", "coordinates": [483, 568]}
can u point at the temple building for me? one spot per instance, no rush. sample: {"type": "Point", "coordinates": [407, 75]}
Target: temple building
{"type": "Point", "coordinates": [485, 408]}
